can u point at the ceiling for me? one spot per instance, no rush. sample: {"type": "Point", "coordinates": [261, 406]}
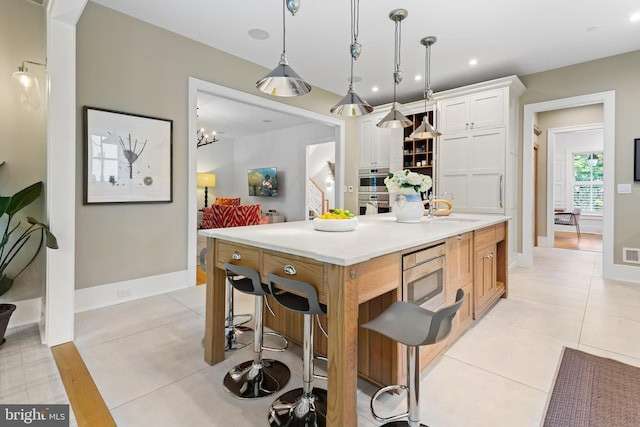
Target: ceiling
{"type": "Point", "coordinates": [506, 37]}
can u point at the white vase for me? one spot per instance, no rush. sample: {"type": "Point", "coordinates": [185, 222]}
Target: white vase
{"type": "Point", "coordinates": [408, 207]}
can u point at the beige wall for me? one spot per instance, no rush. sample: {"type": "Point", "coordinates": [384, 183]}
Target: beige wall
{"type": "Point", "coordinates": [127, 65]}
{"type": "Point", "coordinates": [590, 114]}
{"type": "Point", "coordinates": [619, 73]}
{"type": "Point", "coordinates": [22, 133]}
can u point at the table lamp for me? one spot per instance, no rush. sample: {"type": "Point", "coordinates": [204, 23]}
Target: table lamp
{"type": "Point", "coordinates": [206, 180]}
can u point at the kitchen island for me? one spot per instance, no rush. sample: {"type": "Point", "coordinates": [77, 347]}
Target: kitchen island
{"type": "Point", "coordinates": [349, 269]}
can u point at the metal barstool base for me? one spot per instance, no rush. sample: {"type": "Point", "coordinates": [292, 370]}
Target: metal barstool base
{"type": "Point", "coordinates": [290, 409]}
{"type": "Point", "coordinates": [242, 337]}
{"type": "Point", "coordinates": [247, 381]}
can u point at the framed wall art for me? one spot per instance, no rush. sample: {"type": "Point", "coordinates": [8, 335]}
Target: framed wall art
{"type": "Point", "coordinates": [127, 158]}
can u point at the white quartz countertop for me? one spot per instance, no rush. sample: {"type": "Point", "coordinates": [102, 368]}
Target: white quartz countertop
{"type": "Point", "coordinates": [375, 235]}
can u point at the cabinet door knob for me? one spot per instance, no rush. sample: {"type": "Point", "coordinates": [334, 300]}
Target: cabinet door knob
{"type": "Point", "coordinates": [290, 270]}
{"type": "Point", "coordinates": [236, 255]}
{"type": "Point", "coordinates": [459, 236]}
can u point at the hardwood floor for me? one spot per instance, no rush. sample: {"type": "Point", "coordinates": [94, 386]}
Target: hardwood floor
{"type": "Point", "coordinates": [201, 276]}
{"type": "Point", "coordinates": [569, 240]}
{"type": "Point", "coordinates": [87, 403]}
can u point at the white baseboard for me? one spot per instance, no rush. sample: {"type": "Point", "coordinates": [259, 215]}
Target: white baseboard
{"type": "Point", "coordinates": [624, 273]}
{"type": "Point", "coordinates": [27, 312]}
{"type": "Point", "coordinates": [129, 290]}
{"type": "Point", "coordinates": [542, 241]}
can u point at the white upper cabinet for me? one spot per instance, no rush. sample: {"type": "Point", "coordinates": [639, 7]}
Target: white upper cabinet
{"type": "Point", "coordinates": [475, 111]}
{"type": "Point", "coordinates": [378, 147]}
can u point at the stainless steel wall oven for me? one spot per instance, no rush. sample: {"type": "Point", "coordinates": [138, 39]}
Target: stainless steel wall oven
{"type": "Point", "coordinates": [371, 190]}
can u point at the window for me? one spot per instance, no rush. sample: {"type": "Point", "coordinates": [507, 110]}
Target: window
{"type": "Point", "coordinates": [587, 182]}
{"type": "Point", "coordinates": [105, 159]}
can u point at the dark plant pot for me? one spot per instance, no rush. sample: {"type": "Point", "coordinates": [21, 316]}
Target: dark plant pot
{"type": "Point", "coordinates": [5, 314]}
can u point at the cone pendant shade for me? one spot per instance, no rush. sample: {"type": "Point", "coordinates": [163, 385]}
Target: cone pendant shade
{"type": "Point", "coordinates": [352, 105]}
{"type": "Point", "coordinates": [425, 131]}
{"type": "Point", "coordinates": [394, 119]}
{"type": "Point", "coordinates": [283, 81]}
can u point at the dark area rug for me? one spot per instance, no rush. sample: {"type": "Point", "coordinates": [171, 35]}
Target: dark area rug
{"type": "Point", "coordinates": [592, 391]}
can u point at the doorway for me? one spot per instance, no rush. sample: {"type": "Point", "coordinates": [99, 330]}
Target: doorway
{"type": "Point", "coordinates": [530, 110]}
{"type": "Point", "coordinates": [575, 166]}
{"type": "Point", "coordinates": [321, 180]}
{"type": "Point", "coordinates": [197, 86]}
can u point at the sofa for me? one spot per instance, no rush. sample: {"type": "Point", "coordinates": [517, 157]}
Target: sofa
{"type": "Point", "coordinates": [229, 213]}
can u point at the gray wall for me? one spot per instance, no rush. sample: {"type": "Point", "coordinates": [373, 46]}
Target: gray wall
{"type": "Point", "coordinates": [619, 73]}
{"type": "Point", "coordinates": [22, 133]}
{"type": "Point", "coordinates": [127, 65]}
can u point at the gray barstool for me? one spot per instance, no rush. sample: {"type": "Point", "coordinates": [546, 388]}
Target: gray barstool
{"type": "Point", "coordinates": [412, 326]}
{"type": "Point", "coordinates": [258, 377]}
{"type": "Point", "coordinates": [306, 406]}
{"type": "Point", "coordinates": [238, 335]}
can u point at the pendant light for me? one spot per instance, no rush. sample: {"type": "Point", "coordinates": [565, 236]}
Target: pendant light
{"type": "Point", "coordinates": [283, 81]}
{"type": "Point", "coordinates": [395, 119]}
{"type": "Point", "coordinates": [352, 105]}
{"type": "Point", "coordinates": [425, 130]}
{"type": "Point", "coordinates": [26, 87]}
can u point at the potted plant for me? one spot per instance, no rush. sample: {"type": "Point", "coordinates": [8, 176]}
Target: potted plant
{"type": "Point", "coordinates": [14, 239]}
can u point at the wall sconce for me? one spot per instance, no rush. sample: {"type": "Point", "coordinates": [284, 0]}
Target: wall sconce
{"type": "Point", "coordinates": [26, 87]}
{"type": "Point", "coordinates": [206, 180]}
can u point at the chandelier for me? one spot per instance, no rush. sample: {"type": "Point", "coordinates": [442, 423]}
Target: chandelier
{"type": "Point", "coordinates": [203, 138]}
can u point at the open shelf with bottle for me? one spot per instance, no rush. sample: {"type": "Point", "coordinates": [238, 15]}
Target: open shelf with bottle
{"type": "Point", "coordinates": [418, 153]}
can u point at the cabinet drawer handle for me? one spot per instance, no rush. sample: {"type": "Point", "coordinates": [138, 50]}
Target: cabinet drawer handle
{"type": "Point", "coordinates": [236, 255]}
{"type": "Point", "coordinates": [489, 256]}
{"type": "Point", "coordinates": [459, 236]}
{"type": "Point", "coordinates": [290, 270]}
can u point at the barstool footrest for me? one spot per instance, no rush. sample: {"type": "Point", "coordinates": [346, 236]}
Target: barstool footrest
{"type": "Point", "coordinates": [249, 318]}
{"type": "Point", "coordinates": [381, 391]}
{"type": "Point", "coordinates": [275, 334]}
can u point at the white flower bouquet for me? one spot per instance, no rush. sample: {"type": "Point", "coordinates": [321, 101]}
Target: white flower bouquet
{"type": "Point", "coordinates": [404, 181]}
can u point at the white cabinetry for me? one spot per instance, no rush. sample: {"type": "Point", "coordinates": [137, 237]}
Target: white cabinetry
{"type": "Point", "coordinates": [477, 152]}
{"type": "Point", "coordinates": [476, 111]}
{"type": "Point", "coordinates": [478, 149]}
{"type": "Point", "coordinates": [472, 168]}
{"type": "Point", "coordinates": [378, 147]}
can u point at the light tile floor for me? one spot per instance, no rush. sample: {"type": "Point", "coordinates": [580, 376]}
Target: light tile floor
{"type": "Point", "coordinates": [28, 372]}
{"type": "Point", "coordinates": [146, 356]}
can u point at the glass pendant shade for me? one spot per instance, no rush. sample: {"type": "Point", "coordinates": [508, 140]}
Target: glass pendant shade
{"type": "Point", "coordinates": [27, 90]}
{"type": "Point", "coordinates": [425, 131]}
{"type": "Point", "coordinates": [283, 81]}
{"type": "Point", "coordinates": [394, 119]}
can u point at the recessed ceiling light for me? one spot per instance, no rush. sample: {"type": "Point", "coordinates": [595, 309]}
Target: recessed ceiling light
{"type": "Point", "coordinates": [635, 17]}
{"type": "Point", "coordinates": [592, 29]}
{"type": "Point", "coordinates": [356, 79]}
{"type": "Point", "coordinates": [417, 77]}
{"type": "Point", "coordinates": [375, 89]}
{"type": "Point", "coordinates": [258, 34]}
{"type": "Point", "coordinates": [473, 61]}
{"type": "Point", "coordinates": [266, 121]}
